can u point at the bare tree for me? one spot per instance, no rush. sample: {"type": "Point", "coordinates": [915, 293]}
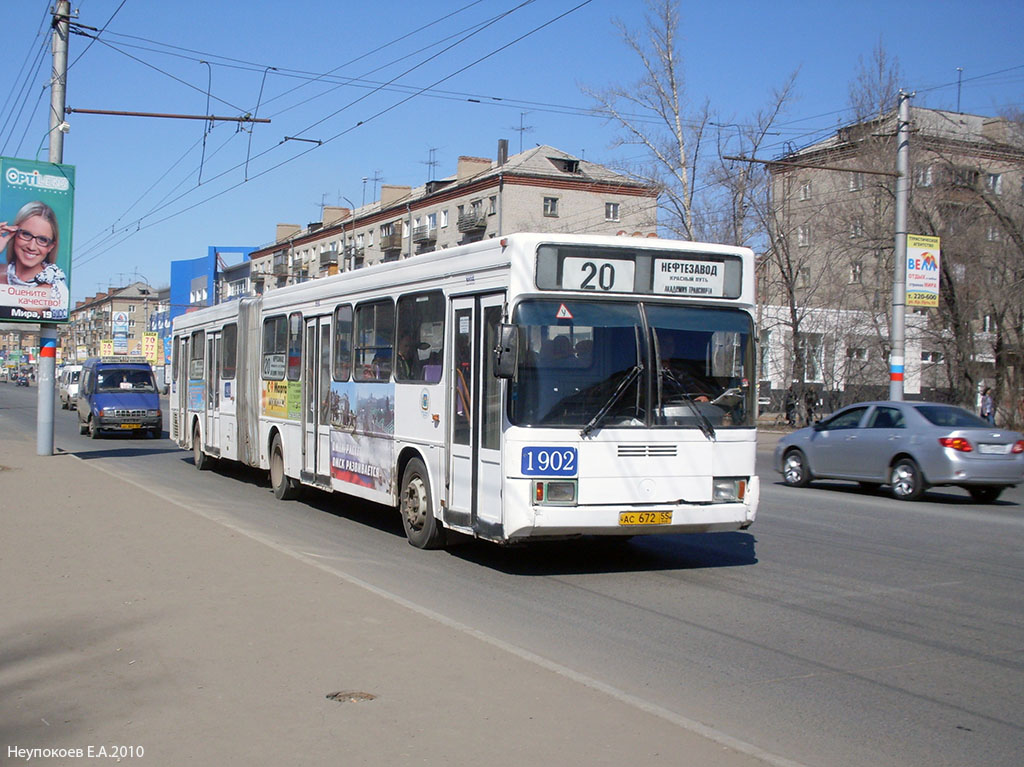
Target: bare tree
{"type": "Point", "coordinates": [653, 113]}
{"type": "Point", "coordinates": [875, 85]}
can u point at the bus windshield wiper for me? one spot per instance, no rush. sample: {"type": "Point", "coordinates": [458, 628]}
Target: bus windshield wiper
{"type": "Point", "coordinates": [624, 384]}
{"type": "Point", "coordinates": [702, 420]}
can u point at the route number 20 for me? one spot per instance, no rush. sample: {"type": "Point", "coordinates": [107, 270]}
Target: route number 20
{"type": "Point", "coordinates": [600, 275]}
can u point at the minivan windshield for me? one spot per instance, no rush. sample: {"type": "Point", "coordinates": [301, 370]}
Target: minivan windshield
{"type": "Point", "coordinates": [110, 379]}
{"type": "Point", "coordinates": [629, 364]}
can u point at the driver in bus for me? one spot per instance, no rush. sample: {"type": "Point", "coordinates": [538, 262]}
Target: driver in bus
{"type": "Point", "coordinates": [678, 369]}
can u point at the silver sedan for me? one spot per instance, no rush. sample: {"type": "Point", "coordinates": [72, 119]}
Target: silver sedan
{"type": "Point", "coordinates": [909, 446]}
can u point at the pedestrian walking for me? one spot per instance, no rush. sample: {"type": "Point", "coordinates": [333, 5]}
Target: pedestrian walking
{"type": "Point", "coordinates": [988, 407]}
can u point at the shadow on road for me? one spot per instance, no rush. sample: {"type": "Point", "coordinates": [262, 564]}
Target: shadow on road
{"type": "Point", "coordinates": [941, 495]}
{"type": "Point", "coordinates": [609, 555]}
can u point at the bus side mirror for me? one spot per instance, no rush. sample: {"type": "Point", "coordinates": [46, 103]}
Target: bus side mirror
{"type": "Point", "coordinates": [506, 353]}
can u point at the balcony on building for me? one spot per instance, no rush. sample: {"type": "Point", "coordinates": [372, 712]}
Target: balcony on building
{"type": "Point", "coordinates": [280, 264]}
{"type": "Point", "coordinates": [426, 233]}
{"type": "Point", "coordinates": [472, 221]}
{"type": "Point", "coordinates": [328, 258]}
{"type": "Point", "coordinates": [391, 242]}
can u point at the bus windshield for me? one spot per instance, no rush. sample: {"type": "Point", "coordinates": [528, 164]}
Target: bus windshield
{"type": "Point", "coordinates": [633, 365]}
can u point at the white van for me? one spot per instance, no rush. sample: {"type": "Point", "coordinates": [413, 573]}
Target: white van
{"type": "Point", "coordinates": [67, 385]}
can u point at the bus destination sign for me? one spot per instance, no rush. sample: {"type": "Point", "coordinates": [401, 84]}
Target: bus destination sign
{"type": "Point", "coordinates": [689, 278]}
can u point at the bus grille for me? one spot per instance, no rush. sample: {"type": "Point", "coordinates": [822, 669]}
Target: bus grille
{"type": "Point", "coordinates": [647, 451]}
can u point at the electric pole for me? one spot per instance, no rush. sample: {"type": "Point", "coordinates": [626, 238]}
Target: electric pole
{"type": "Point", "coordinates": [48, 330]}
{"type": "Point", "coordinates": [899, 281]}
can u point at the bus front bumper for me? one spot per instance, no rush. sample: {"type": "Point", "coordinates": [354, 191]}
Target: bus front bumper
{"type": "Point", "coordinates": [648, 519]}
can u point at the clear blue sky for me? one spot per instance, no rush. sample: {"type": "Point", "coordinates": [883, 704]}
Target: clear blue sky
{"type": "Point", "coordinates": [142, 200]}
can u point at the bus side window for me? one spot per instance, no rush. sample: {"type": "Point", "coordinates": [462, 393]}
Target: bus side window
{"type": "Point", "coordinates": [374, 336]}
{"type": "Point", "coordinates": [420, 337]}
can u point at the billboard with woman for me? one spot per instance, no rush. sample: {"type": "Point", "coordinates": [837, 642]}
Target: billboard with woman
{"type": "Point", "coordinates": [36, 204]}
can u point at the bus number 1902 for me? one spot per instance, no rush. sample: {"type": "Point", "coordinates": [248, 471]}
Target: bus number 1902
{"type": "Point", "coordinates": [549, 461]}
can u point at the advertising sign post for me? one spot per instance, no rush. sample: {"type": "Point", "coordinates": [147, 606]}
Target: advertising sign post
{"type": "Point", "coordinates": [923, 260]}
{"type": "Point", "coordinates": [36, 204]}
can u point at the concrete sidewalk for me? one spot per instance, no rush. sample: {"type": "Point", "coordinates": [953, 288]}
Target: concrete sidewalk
{"type": "Point", "coordinates": [132, 622]}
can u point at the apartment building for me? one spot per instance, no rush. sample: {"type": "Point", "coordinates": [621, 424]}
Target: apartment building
{"type": "Point", "coordinates": [542, 190]}
{"type": "Point", "coordinates": [119, 316]}
{"type": "Point", "coordinates": [833, 246]}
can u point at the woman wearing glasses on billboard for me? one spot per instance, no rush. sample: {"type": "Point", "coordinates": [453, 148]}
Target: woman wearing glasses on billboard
{"type": "Point", "coordinates": [31, 247]}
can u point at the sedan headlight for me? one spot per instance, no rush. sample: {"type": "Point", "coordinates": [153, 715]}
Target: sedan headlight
{"type": "Point", "coordinates": [728, 489]}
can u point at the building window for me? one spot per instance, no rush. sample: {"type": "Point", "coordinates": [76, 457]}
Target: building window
{"type": "Point", "coordinates": [805, 190]}
{"type": "Point", "coordinates": [813, 351]}
{"type": "Point", "coordinates": [857, 228]}
{"type": "Point", "coordinates": [992, 233]}
{"type": "Point", "coordinates": [932, 357]}
{"type": "Point", "coordinates": [803, 277]}
{"type": "Point", "coordinates": [965, 177]}
{"type": "Point", "coordinates": [444, 218]}
{"type": "Point", "coordinates": [131, 308]}
{"type": "Point", "coordinates": [856, 182]}
{"type": "Point", "coordinates": [803, 235]}
{"type": "Point", "coordinates": [922, 175]}
{"type": "Point", "coordinates": [431, 221]}
{"type": "Point", "coordinates": [994, 182]}
{"type": "Point", "coordinates": [492, 206]}
{"type": "Point", "coordinates": [611, 211]}
{"type": "Point", "coordinates": [856, 353]}
{"type": "Point", "coordinates": [856, 269]}
{"type": "Point", "coordinates": [551, 206]}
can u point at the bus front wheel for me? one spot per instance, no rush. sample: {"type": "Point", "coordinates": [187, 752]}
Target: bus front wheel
{"type": "Point", "coordinates": [422, 528]}
{"type": "Point", "coordinates": [199, 458]}
{"type": "Point", "coordinates": [285, 488]}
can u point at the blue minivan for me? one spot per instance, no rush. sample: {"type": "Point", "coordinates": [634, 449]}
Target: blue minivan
{"type": "Point", "coordinates": [117, 394]}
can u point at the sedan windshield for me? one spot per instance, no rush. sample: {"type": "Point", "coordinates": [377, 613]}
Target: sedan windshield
{"type": "Point", "coordinates": [593, 365]}
{"type": "Point", "coordinates": [119, 379]}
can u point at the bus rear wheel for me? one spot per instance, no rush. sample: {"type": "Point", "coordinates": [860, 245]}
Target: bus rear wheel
{"type": "Point", "coordinates": [416, 506]}
{"type": "Point", "coordinates": [285, 488]}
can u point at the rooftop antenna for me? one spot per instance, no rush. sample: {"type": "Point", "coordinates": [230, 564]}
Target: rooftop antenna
{"type": "Point", "coordinates": [365, 179]}
{"type": "Point", "coordinates": [522, 129]}
{"type": "Point", "coordinates": [431, 164]}
{"type": "Point", "coordinates": [959, 82]}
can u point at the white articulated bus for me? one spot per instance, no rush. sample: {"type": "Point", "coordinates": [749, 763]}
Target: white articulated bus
{"type": "Point", "coordinates": [531, 386]}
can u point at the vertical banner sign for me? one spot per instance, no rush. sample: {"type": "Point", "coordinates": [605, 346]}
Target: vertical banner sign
{"type": "Point", "coordinates": [120, 328]}
{"type": "Point", "coordinates": [150, 345]}
{"type": "Point", "coordinates": [923, 259]}
{"type": "Point", "coordinates": [36, 205]}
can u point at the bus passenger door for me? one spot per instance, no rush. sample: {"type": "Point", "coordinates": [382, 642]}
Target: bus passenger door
{"type": "Point", "coordinates": [316, 389]}
{"type": "Point", "coordinates": [213, 392]}
{"type": "Point", "coordinates": [474, 415]}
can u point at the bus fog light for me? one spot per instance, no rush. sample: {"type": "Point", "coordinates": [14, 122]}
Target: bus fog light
{"type": "Point", "coordinates": [726, 490]}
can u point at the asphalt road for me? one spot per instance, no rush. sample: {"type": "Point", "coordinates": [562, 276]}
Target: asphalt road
{"type": "Point", "coordinates": [843, 628]}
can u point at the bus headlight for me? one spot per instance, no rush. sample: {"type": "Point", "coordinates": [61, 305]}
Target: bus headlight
{"type": "Point", "coordinates": [728, 489]}
{"type": "Point", "coordinates": [153, 413]}
{"type": "Point", "coordinates": [556, 492]}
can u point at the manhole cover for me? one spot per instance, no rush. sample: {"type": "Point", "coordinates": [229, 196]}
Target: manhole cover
{"type": "Point", "coordinates": [351, 697]}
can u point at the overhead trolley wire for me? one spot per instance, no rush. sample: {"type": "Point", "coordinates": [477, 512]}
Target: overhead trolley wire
{"type": "Point", "coordinates": [140, 225]}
